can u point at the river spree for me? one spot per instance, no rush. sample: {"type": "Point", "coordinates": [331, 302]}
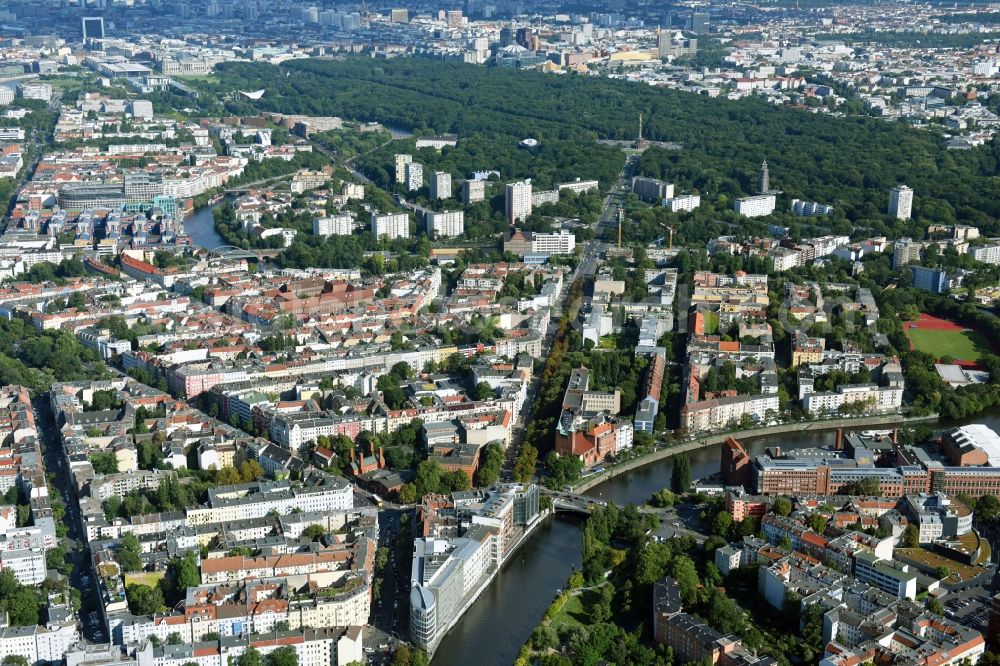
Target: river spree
{"type": "Point", "coordinates": [200, 226]}
{"type": "Point", "coordinates": [492, 632]}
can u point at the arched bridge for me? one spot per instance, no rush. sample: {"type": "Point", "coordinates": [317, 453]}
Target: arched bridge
{"type": "Point", "coordinates": [233, 252]}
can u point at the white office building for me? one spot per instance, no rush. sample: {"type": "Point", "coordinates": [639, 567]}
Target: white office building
{"type": "Point", "coordinates": [686, 202]}
{"type": "Point", "coordinates": [901, 202]}
{"type": "Point", "coordinates": [335, 225]}
{"type": "Point", "coordinates": [445, 225]}
{"type": "Point", "coordinates": [35, 90]}
{"type": "Point", "coordinates": [559, 243]}
{"type": "Point", "coordinates": [441, 185]}
{"type": "Point", "coordinates": [518, 201]}
{"type": "Point", "coordinates": [758, 205]}
{"type": "Point", "coordinates": [27, 564]}
{"type": "Point", "coordinates": [889, 576]}
{"type": "Point", "coordinates": [391, 225]}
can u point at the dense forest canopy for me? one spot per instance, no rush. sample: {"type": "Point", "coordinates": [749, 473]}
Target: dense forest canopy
{"type": "Point", "coordinates": [849, 162]}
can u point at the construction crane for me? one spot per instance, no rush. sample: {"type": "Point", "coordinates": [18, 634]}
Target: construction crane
{"type": "Point", "coordinates": [670, 230]}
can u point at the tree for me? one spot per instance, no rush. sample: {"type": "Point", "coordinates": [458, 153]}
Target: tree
{"type": "Point", "coordinates": [782, 506]}
{"type": "Point", "coordinates": [227, 476]}
{"type": "Point", "coordinates": [403, 656]}
{"type": "Point", "coordinates": [174, 639]}
{"type": "Point", "coordinates": [868, 487]}
{"type": "Point", "coordinates": [683, 571]}
{"type": "Point", "coordinates": [483, 391]}
{"type": "Point", "coordinates": [680, 477]}
{"type": "Point", "coordinates": [251, 657]}
{"type": "Point", "coordinates": [55, 558]}
{"type": "Point", "coordinates": [127, 555]}
{"type": "Point", "coordinates": [456, 480]}
{"type": "Point", "coordinates": [314, 532]}
{"type": "Point", "coordinates": [524, 467]}
{"type": "Point", "coordinates": [283, 656]}
{"type": "Point", "coordinates": [812, 633]}
{"type": "Point", "coordinates": [143, 599]}
{"type": "Point", "coordinates": [250, 470]}
{"type": "Point", "coordinates": [182, 573]}
{"type": "Point", "coordinates": [724, 614]}
{"type": "Point", "coordinates": [23, 608]}
{"type": "Point", "coordinates": [492, 462]}
{"type": "Point", "coordinates": [987, 508]}
{"type": "Point", "coordinates": [15, 660]}
{"type": "Point", "coordinates": [911, 536]}
{"type": "Point", "coordinates": [428, 480]}
{"type": "Point", "coordinates": [816, 522]}
{"type": "Point", "coordinates": [104, 463]}
{"type": "Point", "coordinates": [76, 300]}
{"type": "Point", "coordinates": [722, 523]}
{"type": "Point", "coordinates": [935, 606]}
{"type": "Point", "coordinates": [408, 493]}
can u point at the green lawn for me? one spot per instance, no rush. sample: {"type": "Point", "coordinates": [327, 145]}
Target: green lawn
{"type": "Point", "coordinates": [711, 323]}
{"type": "Point", "coordinates": [574, 612]}
{"type": "Point", "coordinates": [151, 578]}
{"type": "Point", "coordinates": [960, 345]}
{"type": "Point", "coordinates": [607, 342]}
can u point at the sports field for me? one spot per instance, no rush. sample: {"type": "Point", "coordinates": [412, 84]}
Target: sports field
{"type": "Point", "coordinates": [940, 337]}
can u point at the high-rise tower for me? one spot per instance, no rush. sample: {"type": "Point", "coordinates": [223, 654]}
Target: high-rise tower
{"type": "Point", "coordinates": [763, 179]}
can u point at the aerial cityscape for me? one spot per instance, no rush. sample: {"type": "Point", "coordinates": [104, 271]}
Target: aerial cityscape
{"type": "Point", "coordinates": [495, 332]}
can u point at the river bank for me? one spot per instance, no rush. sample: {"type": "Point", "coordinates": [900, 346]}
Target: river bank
{"type": "Point", "coordinates": [482, 585]}
{"type": "Point", "coordinates": [893, 420]}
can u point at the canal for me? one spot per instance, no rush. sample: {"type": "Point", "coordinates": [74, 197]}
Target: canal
{"type": "Point", "coordinates": [492, 632]}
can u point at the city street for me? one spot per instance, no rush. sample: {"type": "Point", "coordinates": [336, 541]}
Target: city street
{"type": "Point", "coordinates": [74, 542]}
{"type": "Point", "coordinates": [389, 611]}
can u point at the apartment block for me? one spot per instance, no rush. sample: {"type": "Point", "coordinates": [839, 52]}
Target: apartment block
{"type": "Point", "coordinates": [652, 190]}
{"type": "Point", "coordinates": [440, 185]}
{"type": "Point", "coordinates": [473, 191]}
{"type": "Point", "coordinates": [682, 202]}
{"type": "Point", "coordinates": [447, 224]}
{"type": "Point", "coordinates": [391, 225]}
{"type": "Point", "coordinates": [333, 225]}
{"type": "Point", "coordinates": [901, 202]}
{"type": "Point", "coordinates": [401, 162]}
{"type": "Point", "coordinates": [518, 201]}
{"type": "Point", "coordinates": [755, 206]}
{"type": "Point", "coordinates": [414, 176]}
{"type": "Point", "coordinates": [988, 254]}
{"type": "Point", "coordinates": [810, 208]}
